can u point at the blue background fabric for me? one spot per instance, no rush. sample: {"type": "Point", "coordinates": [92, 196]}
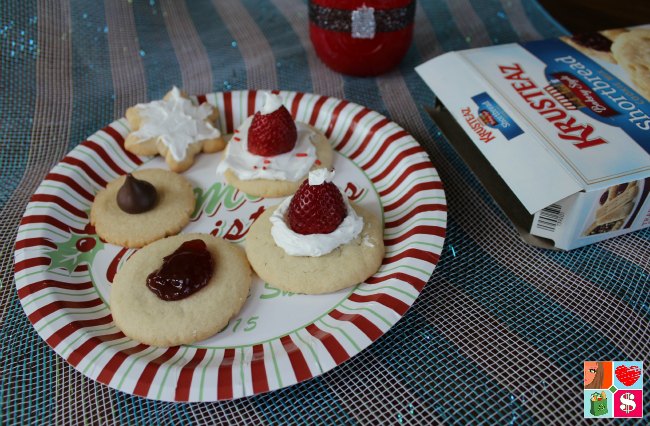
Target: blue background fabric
{"type": "Point", "coordinates": [499, 333]}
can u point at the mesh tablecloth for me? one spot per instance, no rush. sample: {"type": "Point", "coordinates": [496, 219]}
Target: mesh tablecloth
{"type": "Point", "coordinates": [499, 333]}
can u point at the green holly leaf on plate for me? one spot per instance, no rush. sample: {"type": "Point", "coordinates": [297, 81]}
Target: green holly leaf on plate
{"type": "Point", "coordinates": [77, 250]}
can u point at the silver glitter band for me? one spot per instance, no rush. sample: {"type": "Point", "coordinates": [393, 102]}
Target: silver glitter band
{"type": "Point", "coordinates": [342, 20]}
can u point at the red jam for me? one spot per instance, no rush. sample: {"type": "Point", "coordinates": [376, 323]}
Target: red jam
{"type": "Point", "coordinates": [183, 273]}
{"type": "Point", "coordinates": [593, 40]}
{"type": "Point", "coordinates": [603, 198]}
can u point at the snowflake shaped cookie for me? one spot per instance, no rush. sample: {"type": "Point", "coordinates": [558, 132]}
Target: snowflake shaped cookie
{"type": "Point", "coordinates": [175, 128]}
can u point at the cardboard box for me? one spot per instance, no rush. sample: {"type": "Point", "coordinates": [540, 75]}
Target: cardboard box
{"type": "Point", "coordinates": [557, 130]}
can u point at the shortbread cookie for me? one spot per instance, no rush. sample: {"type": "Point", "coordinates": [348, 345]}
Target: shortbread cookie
{"type": "Point", "coordinates": [171, 212]}
{"type": "Point", "coordinates": [619, 202]}
{"type": "Point", "coordinates": [347, 265]}
{"type": "Point", "coordinates": [616, 206]}
{"type": "Point", "coordinates": [175, 128]}
{"type": "Point", "coordinates": [270, 153]}
{"type": "Point", "coordinates": [621, 212]}
{"type": "Point", "coordinates": [613, 34]}
{"type": "Point", "coordinates": [280, 188]}
{"type": "Point", "coordinates": [632, 52]}
{"type": "Point", "coordinates": [145, 317]}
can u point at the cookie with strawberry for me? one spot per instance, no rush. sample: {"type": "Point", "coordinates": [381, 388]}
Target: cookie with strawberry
{"type": "Point", "coordinates": [270, 154]}
{"type": "Point", "coordinates": [315, 241]}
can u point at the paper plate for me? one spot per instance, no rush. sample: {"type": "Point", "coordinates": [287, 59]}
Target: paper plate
{"type": "Point", "coordinates": [64, 271]}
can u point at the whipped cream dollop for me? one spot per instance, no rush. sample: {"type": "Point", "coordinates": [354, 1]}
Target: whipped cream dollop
{"type": "Point", "coordinates": [291, 166]}
{"type": "Point", "coordinates": [320, 176]}
{"type": "Point", "coordinates": [175, 122]}
{"type": "Point", "coordinates": [272, 103]}
{"type": "Point", "coordinates": [313, 245]}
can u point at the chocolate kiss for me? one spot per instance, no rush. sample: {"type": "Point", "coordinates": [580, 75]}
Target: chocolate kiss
{"type": "Point", "coordinates": [136, 196]}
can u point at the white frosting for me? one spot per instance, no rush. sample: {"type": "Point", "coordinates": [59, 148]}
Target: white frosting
{"type": "Point", "coordinates": [320, 176]}
{"type": "Point", "coordinates": [272, 103]}
{"type": "Point", "coordinates": [175, 122]}
{"type": "Point", "coordinates": [313, 245]}
{"type": "Point", "coordinates": [291, 166]}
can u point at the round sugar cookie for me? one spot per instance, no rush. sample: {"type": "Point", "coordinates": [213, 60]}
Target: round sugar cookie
{"type": "Point", "coordinates": [632, 51]}
{"type": "Point", "coordinates": [347, 265]}
{"type": "Point", "coordinates": [170, 214]}
{"type": "Point", "coordinates": [144, 317]}
{"type": "Point", "coordinates": [280, 188]}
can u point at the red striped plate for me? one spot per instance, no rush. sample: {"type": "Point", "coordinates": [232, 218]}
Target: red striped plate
{"type": "Point", "coordinates": [64, 272]}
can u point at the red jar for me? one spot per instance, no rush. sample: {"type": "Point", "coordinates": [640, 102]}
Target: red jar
{"type": "Point", "coordinates": [361, 37]}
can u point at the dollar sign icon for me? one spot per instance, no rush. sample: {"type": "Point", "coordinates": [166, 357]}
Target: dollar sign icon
{"type": "Point", "coordinates": [627, 402]}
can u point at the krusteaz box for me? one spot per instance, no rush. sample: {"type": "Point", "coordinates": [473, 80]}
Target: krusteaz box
{"type": "Point", "coordinates": [557, 130]}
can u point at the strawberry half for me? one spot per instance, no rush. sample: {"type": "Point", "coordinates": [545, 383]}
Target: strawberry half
{"type": "Point", "coordinates": [316, 209]}
{"type": "Point", "coordinates": [272, 134]}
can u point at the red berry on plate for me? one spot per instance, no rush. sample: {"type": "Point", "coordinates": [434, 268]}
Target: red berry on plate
{"type": "Point", "coordinates": [86, 244]}
{"type": "Point", "coordinates": [316, 209]}
{"type": "Point", "coordinates": [272, 134]}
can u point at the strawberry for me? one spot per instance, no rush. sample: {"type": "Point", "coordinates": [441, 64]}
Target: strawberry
{"type": "Point", "coordinates": [316, 209]}
{"type": "Point", "coordinates": [272, 134]}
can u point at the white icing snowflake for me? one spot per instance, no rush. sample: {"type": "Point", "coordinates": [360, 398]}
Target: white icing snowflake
{"type": "Point", "coordinates": [175, 122]}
